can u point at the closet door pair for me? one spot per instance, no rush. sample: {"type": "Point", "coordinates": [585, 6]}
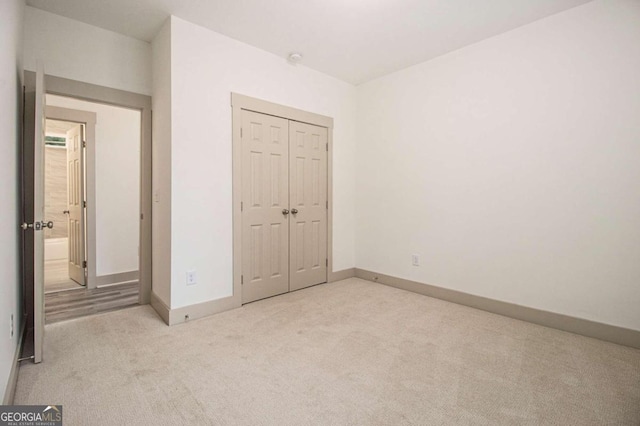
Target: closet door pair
{"type": "Point", "coordinates": [284, 205]}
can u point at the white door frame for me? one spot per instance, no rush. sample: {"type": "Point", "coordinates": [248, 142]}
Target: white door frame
{"type": "Point", "coordinates": [241, 102]}
{"type": "Point", "coordinates": [89, 175]}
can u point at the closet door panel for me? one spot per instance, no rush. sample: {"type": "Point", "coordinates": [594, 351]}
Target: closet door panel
{"type": "Point", "coordinates": [308, 201]}
{"type": "Point", "coordinates": [265, 196]}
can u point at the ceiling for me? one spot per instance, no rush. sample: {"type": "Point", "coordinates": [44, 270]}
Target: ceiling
{"type": "Point", "coordinates": [353, 40]}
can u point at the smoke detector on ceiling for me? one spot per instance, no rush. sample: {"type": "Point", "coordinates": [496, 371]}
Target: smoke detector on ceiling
{"type": "Point", "coordinates": [295, 57]}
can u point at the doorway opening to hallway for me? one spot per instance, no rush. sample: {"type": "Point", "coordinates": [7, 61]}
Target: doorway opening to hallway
{"type": "Point", "coordinates": [92, 201]}
{"type": "Point", "coordinates": [60, 183]}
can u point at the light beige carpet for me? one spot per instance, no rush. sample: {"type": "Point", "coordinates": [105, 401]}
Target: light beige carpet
{"type": "Point", "coordinates": [348, 353]}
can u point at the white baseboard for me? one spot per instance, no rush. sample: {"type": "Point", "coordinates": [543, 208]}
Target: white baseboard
{"type": "Point", "coordinates": [204, 309]}
{"type": "Point", "coordinates": [342, 275]}
{"type": "Point", "coordinates": [160, 307]}
{"type": "Point", "coordinates": [610, 333]}
{"type": "Point", "coordinates": [119, 278]}
{"type": "Point", "coordinates": [10, 390]}
{"type": "Point", "coordinates": [192, 312]}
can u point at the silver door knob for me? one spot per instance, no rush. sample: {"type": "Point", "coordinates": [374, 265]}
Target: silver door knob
{"type": "Point", "coordinates": [285, 212]}
{"type": "Point", "coordinates": [38, 226]}
{"type": "Point", "coordinates": [294, 211]}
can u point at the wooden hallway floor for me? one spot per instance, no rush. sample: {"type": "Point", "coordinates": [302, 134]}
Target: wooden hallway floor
{"type": "Point", "coordinates": [65, 305]}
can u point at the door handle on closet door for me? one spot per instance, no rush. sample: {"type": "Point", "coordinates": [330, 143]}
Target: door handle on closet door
{"type": "Point", "coordinates": [285, 212]}
{"type": "Point", "coordinates": [294, 211]}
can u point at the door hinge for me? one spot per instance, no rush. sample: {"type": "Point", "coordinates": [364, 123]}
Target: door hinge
{"type": "Point", "coordinates": [241, 206]}
{"type": "Point", "coordinates": [84, 264]}
{"type": "Point", "coordinates": [327, 146]}
{"type": "Point", "coordinates": [240, 131]}
{"type": "Point", "coordinates": [327, 262]}
{"type": "Point", "coordinates": [327, 204]}
{"type": "Point", "coordinates": [84, 204]}
{"type": "Point", "coordinates": [241, 279]}
{"type": "Point", "coordinates": [84, 144]}
{"type": "Point", "coordinates": [141, 216]}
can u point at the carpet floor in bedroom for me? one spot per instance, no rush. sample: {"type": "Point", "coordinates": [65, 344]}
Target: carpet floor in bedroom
{"type": "Point", "coordinates": [347, 353]}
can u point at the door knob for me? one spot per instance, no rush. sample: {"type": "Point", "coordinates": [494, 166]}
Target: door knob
{"type": "Point", "coordinates": [285, 212]}
{"type": "Point", "coordinates": [37, 226]}
{"type": "Point", "coordinates": [294, 211]}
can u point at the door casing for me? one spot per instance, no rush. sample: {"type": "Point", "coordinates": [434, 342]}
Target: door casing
{"type": "Point", "coordinates": [241, 102]}
{"type": "Point", "coordinates": [105, 95]}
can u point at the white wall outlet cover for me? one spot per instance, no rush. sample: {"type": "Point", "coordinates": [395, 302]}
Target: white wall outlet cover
{"type": "Point", "coordinates": [191, 277]}
{"type": "Point", "coordinates": [415, 260]}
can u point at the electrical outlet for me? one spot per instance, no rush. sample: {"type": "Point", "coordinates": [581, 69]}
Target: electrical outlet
{"type": "Point", "coordinates": [11, 327]}
{"type": "Point", "coordinates": [415, 260]}
{"type": "Point", "coordinates": [191, 277]}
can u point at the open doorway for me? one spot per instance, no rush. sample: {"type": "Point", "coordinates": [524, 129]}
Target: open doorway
{"type": "Point", "coordinates": [63, 183]}
{"type": "Point", "coordinates": [95, 163]}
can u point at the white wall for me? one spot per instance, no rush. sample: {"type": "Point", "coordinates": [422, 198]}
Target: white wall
{"type": "Point", "coordinates": [78, 51]}
{"type": "Point", "coordinates": [161, 160]}
{"type": "Point", "coordinates": [206, 68]}
{"type": "Point", "coordinates": [117, 184]}
{"type": "Point", "coordinates": [11, 18]}
{"type": "Point", "coordinates": [511, 167]}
